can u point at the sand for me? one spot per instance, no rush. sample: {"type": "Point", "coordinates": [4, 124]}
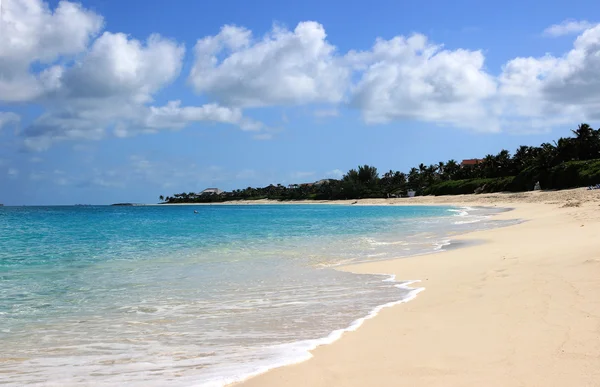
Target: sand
{"type": "Point", "coordinates": [520, 309]}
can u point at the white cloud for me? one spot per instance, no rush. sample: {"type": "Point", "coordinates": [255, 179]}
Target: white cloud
{"type": "Point", "coordinates": [92, 82]}
{"type": "Point", "coordinates": [283, 68]}
{"type": "Point", "coordinates": [31, 32]}
{"type": "Point", "coordinates": [410, 78]}
{"type": "Point", "coordinates": [174, 116]}
{"type": "Point", "coordinates": [546, 91]}
{"type": "Point", "coordinates": [8, 118]}
{"type": "Point", "coordinates": [89, 86]}
{"type": "Point", "coordinates": [567, 27]}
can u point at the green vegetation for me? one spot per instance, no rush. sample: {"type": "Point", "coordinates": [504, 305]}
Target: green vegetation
{"type": "Point", "coordinates": [567, 163]}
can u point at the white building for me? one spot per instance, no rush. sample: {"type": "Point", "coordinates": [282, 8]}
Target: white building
{"type": "Point", "coordinates": [210, 191]}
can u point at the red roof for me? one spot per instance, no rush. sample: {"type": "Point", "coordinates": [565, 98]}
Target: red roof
{"type": "Point", "coordinates": [471, 162]}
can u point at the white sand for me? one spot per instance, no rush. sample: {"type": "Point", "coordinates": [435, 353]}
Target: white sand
{"type": "Point", "coordinates": [522, 309]}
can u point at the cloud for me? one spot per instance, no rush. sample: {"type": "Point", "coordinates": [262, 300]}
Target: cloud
{"type": "Point", "coordinates": [106, 87]}
{"type": "Point", "coordinates": [283, 68]}
{"type": "Point", "coordinates": [567, 27]}
{"type": "Point", "coordinates": [32, 32]}
{"type": "Point", "coordinates": [412, 79]}
{"type": "Point", "coordinates": [91, 83]}
{"type": "Point", "coordinates": [8, 118]}
{"type": "Point", "coordinates": [174, 116]}
{"type": "Point", "coordinates": [549, 90]}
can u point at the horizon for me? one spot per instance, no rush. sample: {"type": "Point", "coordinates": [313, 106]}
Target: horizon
{"type": "Point", "coordinates": [106, 103]}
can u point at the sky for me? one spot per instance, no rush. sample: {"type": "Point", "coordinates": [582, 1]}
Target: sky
{"type": "Point", "coordinates": [122, 101]}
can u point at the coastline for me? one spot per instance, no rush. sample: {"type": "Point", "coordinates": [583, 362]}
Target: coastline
{"type": "Point", "coordinates": [518, 309]}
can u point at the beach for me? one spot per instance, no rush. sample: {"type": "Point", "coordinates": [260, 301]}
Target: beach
{"type": "Point", "coordinates": [516, 306]}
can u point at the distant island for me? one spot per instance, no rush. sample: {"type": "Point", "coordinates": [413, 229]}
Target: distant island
{"type": "Point", "coordinates": [567, 163]}
{"type": "Point", "coordinates": [128, 204]}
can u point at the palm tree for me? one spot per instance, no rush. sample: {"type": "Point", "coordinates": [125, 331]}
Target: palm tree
{"type": "Point", "coordinates": [503, 163]}
{"type": "Point", "coordinates": [587, 141]}
{"type": "Point", "coordinates": [546, 156]}
{"type": "Point", "coordinates": [414, 178]}
{"type": "Point", "coordinates": [441, 169]}
{"type": "Point", "coordinates": [451, 169]}
{"type": "Point", "coordinates": [367, 175]}
{"type": "Point", "coordinates": [567, 149]}
{"type": "Point", "coordinates": [161, 198]}
{"type": "Point", "coordinates": [488, 166]}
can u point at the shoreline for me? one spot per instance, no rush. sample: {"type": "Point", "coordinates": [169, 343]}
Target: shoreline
{"type": "Point", "coordinates": [500, 199]}
{"type": "Point", "coordinates": [366, 356]}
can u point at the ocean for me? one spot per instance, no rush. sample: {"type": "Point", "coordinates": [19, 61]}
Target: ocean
{"type": "Point", "coordinates": [163, 296]}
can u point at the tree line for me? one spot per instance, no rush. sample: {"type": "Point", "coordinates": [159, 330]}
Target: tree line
{"type": "Point", "coordinates": [569, 162]}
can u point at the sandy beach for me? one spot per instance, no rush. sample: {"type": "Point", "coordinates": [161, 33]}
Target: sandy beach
{"type": "Point", "coordinates": [522, 308]}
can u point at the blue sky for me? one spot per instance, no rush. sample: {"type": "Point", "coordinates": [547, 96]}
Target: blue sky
{"type": "Point", "coordinates": [105, 101]}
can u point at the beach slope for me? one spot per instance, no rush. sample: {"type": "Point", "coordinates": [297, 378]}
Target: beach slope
{"type": "Point", "coordinates": [520, 309]}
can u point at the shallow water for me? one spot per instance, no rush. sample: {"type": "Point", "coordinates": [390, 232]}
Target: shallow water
{"type": "Point", "coordinates": [163, 296]}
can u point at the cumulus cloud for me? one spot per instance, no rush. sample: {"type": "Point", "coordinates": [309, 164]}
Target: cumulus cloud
{"type": "Point", "coordinates": [91, 83]}
{"type": "Point", "coordinates": [174, 116]}
{"type": "Point", "coordinates": [567, 27]}
{"type": "Point", "coordinates": [283, 68]}
{"type": "Point", "coordinates": [550, 90]}
{"type": "Point", "coordinates": [32, 32]}
{"type": "Point", "coordinates": [410, 78]}
{"type": "Point", "coordinates": [111, 86]}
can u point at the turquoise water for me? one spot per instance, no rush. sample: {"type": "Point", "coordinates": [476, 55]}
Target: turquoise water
{"type": "Point", "coordinates": [160, 295]}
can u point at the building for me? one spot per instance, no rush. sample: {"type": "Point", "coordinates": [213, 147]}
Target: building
{"type": "Point", "coordinates": [211, 191]}
{"type": "Point", "coordinates": [470, 162]}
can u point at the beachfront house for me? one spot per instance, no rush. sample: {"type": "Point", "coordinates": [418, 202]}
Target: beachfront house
{"type": "Point", "coordinates": [470, 162]}
{"type": "Point", "coordinates": [211, 191]}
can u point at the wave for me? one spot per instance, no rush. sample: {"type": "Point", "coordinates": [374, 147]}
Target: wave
{"type": "Point", "coordinates": [300, 351]}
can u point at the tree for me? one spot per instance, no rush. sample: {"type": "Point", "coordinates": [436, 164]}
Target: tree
{"type": "Point", "coordinates": [488, 166]}
{"type": "Point", "coordinates": [587, 142]}
{"type": "Point", "coordinates": [161, 198]}
{"type": "Point", "coordinates": [367, 175]}
{"type": "Point", "coordinates": [451, 170]}
{"type": "Point", "coordinates": [546, 156]}
{"type": "Point", "coordinates": [566, 150]}
{"type": "Point", "coordinates": [503, 164]}
{"type": "Point", "coordinates": [414, 179]}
